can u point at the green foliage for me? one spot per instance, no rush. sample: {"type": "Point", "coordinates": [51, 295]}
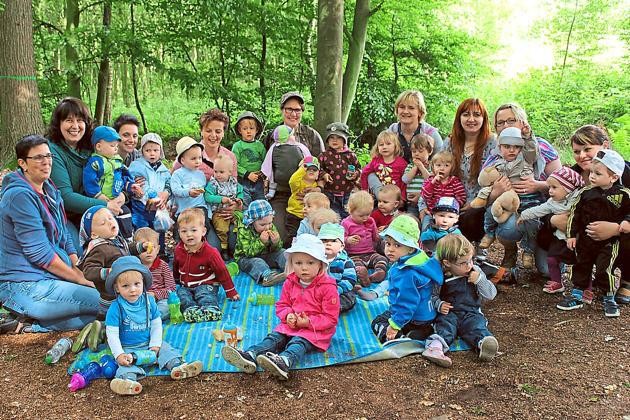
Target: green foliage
{"type": "Point", "coordinates": [620, 135]}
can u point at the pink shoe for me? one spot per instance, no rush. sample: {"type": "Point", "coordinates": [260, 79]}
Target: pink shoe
{"type": "Point", "coordinates": [553, 287]}
{"type": "Point", "coordinates": [436, 355]}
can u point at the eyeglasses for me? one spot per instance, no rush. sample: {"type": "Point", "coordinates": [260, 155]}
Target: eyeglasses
{"type": "Point", "coordinates": [464, 263]}
{"type": "Point", "coordinates": [509, 121]}
{"type": "Point", "coordinates": [295, 111]}
{"type": "Point", "coordinates": [41, 158]}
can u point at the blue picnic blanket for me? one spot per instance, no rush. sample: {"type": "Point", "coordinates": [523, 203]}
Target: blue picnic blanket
{"type": "Point", "coordinates": [352, 343]}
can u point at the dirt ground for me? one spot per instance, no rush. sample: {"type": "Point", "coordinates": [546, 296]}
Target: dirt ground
{"type": "Point", "coordinates": [552, 365]}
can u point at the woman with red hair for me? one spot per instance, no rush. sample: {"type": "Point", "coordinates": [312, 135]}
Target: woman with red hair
{"type": "Point", "coordinates": [471, 142]}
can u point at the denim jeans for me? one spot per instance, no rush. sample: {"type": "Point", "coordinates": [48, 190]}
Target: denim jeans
{"type": "Point", "coordinates": [167, 354]}
{"type": "Point", "coordinates": [255, 190]}
{"type": "Point", "coordinates": [471, 326]}
{"type": "Point", "coordinates": [204, 295]}
{"type": "Point", "coordinates": [510, 231]}
{"type": "Point", "coordinates": [142, 218]}
{"type": "Point", "coordinates": [162, 305]}
{"type": "Point", "coordinates": [256, 266]}
{"type": "Point", "coordinates": [55, 305]}
{"type": "Point", "coordinates": [338, 203]}
{"type": "Point", "coordinates": [292, 347]}
{"type": "Point", "coordinates": [374, 184]}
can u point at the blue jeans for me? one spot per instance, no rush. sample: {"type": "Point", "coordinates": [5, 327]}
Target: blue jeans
{"type": "Point", "coordinates": [374, 184]}
{"type": "Point", "coordinates": [140, 218]}
{"type": "Point", "coordinates": [215, 242]}
{"type": "Point", "coordinates": [204, 295]}
{"type": "Point", "coordinates": [55, 305]}
{"type": "Point", "coordinates": [256, 266]}
{"type": "Point", "coordinates": [162, 305]}
{"type": "Point", "coordinates": [291, 347]}
{"type": "Point", "coordinates": [254, 190]}
{"type": "Point", "coordinates": [73, 230]}
{"type": "Point", "coordinates": [167, 355]}
{"type": "Point", "coordinates": [338, 203]}
{"type": "Point", "coordinates": [471, 326]}
{"type": "Point", "coordinates": [526, 231]}
{"type": "Point", "coordinates": [511, 232]}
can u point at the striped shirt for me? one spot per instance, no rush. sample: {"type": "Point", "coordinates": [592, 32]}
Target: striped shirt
{"type": "Point", "coordinates": [432, 192]}
{"type": "Point", "coordinates": [163, 281]}
{"type": "Point", "coordinates": [414, 185]}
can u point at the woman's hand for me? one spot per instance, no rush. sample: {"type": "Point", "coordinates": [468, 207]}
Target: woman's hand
{"type": "Point", "coordinates": [528, 186]}
{"type": "Point", "coordinates": [500, 186]}
{"type": "Point", "coordinates": [391, 333]}
{"type": "Point", "coordinates": [139, 180]}
{"type": "Point", "coordinates": [601, 231]}
{"type": "Point", "coordinates": [115, 207]}
{"type": "Point", "coordinates": [163, 199]}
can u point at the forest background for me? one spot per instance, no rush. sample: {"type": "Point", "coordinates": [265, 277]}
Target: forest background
{"type": "Point", "coordinates": [565, 61]}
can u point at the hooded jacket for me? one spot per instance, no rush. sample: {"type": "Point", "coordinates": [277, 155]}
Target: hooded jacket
{"type": "Point", "coordinates": [319, 300]}
{"type": "Point", "coordinates": [411, 282]}
{"type": "Point", "coordinates": [33, 230]}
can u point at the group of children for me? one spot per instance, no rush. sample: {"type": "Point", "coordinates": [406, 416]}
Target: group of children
{"type": "Point", "coordinates": [339, 243]}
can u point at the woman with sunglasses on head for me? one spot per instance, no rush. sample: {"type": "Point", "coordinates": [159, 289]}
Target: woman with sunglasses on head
{"type": "Point", "coordinates": [40, 285]}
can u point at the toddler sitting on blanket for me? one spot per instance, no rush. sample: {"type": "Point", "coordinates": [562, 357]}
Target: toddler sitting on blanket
{"type": "Point", "coordinates": [308, 309]}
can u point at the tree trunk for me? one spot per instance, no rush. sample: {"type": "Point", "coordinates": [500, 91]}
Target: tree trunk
{"type": "Point", "coordinates": [263, 60]}
{"type": "Point", "coordinates": [107, 113]}
{"type": "Point", "coordinates": [355, 56]}
{"type": "Point", "coordinates": [134, 79]}
{"type": "Point", "coordinates": [72, 57]}
{"type": "Point", "coordinates": [329, 60]}
{"type": "Point", "coordinates": [125, 83]}
{"type": "Point", "coordinates": [20, 112]}
{"type": "Point", "coordinates": [103, 70]}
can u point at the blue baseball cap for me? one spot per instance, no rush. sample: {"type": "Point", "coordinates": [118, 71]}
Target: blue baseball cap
{"type": "Point", "coordinates": [103, 132]}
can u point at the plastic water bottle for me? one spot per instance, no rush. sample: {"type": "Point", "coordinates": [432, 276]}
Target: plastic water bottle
{"type": "Point", "coordinates": [84, 377]}
{"type": "Point", "coordinates": [350, 173]}
{"type": "Point", "coordinates": [144, 357]}
{"type": "Point", "coordinates": [261, 299]}
{"type": "Point", "coordinates": [108, 366]}
{"type": "Point", "coordinates": [57, 351]}
{"type": "Point", "coordinates": [230, 334]}
{"type": "Point", "coordinates": [174, 309]}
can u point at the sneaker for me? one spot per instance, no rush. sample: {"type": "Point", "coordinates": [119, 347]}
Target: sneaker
{"type": "Point", "coordinates": [362, 276]}
{"type": "Point", "coordinates": [8, 324]}
{"type": "Point", "coordinates": [611, 309]}
{"type": "Point", "coordinates": [436, 355]}
{"type": "Point", "coordinates": [486, 241]}
{"type": "Point", "coordinates": [273, 278]}
{"type": "Point", "coordinates": [588, 296]}
{"type": "Point", "coordinates": [209, 313]}
{"type": "Point", "coordinates": [569, 303]}
{"type": "Point", "coordinates": [94, 337]}
{"type": "Point", "coordinates": [80, 341]}
{"type": "Point", "coordinates": [240, 359]}
{"type": "Point", "coordinates": [186, 370]}
{"type": "Point", "coordinates": [488, 348]}
{"type": "Point", "coordinates": [377, 276]}
{"type": "Point", "coordinates": [125, 386]}
{"type": "Point", "coordinates": [273, 364]}
{"type": "Point", "coordinates": [192, 313]}
{"type": "Point", "coordinates": [553, 287]}
{"type": "Point", "coordinates": [528, 260]}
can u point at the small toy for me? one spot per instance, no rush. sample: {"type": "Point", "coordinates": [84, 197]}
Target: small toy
{"type": "Point", "coordinates": [174, 309]}
{"type": "Point", "coordinates": [261, 299]}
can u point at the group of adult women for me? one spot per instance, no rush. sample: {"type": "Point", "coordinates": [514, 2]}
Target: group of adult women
{"type": "Point", "coordinates": [42, 201]}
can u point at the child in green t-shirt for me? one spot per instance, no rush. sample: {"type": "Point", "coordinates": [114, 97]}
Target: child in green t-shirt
{"type": "Point", "coordinates": [250, 154]}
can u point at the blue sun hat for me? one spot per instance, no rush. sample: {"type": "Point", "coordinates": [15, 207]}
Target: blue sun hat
{"type": "Point", "coordinates": [404, 230]}
{"type": "Point", "coordinates": [127, 263]}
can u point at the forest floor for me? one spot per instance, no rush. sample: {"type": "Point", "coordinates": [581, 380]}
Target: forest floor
{"type": "Point", "coordinates": [552, 364]}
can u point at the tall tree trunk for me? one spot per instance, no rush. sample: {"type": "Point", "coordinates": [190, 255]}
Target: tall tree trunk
{"type": "Point", "coordinates": [329, 58]}
{"type": "Point", "coordinates": [394, 55]}
{"type": "Point", "coordinates": [20, 112]}
{"type": "Point", "coordinates": [263, 60]}
{"type": "Point", "coordinates": [72, 57]}
{"type": "Point", "coordinates": [107, 113]}
{"type": "Point", "coordinates": [103, 70]}
{"type": "Point", "coordinates": [125, 83]}
{"type": "Point", "coordinates": [355, 56]}
{"type": "Point", "coordinates": [134, 79]}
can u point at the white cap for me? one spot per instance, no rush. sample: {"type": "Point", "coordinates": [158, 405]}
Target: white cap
{"type": "Point", "coordinates": [308, 244]}
{"type": "Point", "coordinates": [612, 160]}
{"type": "Point", "coordinates": [511, 136]}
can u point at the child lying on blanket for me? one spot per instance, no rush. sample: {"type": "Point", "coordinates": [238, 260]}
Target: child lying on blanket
{"type": "Point", "coordinates": [458, 302]}
{"type": "Point", "coordinates": [411, 279]}
{"type": "Point", "coordinates": [133, 324]}
{"type": "Point", "coordinates": [308, 309]}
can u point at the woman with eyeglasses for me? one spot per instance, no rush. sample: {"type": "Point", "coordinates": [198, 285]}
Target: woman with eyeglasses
{"type": "Point", "coordinates": [509, 233]}
{"type": "Point", "coordinates": [586, 142]}
{"type": "Point", "coordinates": [69, 134]}
{"type": "Point", "coordinates": [40, 284]}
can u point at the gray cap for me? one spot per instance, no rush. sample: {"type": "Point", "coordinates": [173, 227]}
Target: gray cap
{"type": "Point", "coordinates": [339, 129]}
{"type": "Point", "coordinates": [511, 136]}
{"type": "Point", "coordinates": [249, 114]}
{"type": "Point", "coordinates": [289, 95]}
{"type": "Point", "coordinates": [152, 138]}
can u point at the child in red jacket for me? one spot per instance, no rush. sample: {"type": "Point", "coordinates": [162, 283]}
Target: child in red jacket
{"type": "Point", "coordinates": [308, 310]}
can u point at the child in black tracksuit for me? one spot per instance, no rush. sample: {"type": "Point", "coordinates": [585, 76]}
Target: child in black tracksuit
{"type": "Point", "coordinates": [604, 200]}
{"type": "Point", "coordinates": [458, 303]}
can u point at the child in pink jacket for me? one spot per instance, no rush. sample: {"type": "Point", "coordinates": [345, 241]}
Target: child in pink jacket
{"type": "Point", "coordinates": [308, 310]}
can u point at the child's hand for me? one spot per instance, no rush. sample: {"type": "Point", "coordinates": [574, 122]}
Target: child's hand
{"type": "Point", "coordinates": [519, 221]}
{"type": "Point", "coordinates": [195, 192]}
{"type": "Point", "coordinates": [235, 297]}
{"type": "Point", "coordinates": [265, 235]}
{"type": "Point", "coordinates": [391, 333]}
{"type": "Point", "coordinates": [413, 197]}
{"type": "Point", "coordinates": [124, 359]}
{"type": "Point", "coordinates": [156, 349]}
{"type": "Point", "coordinates": [353, 240]}
{"type": "Point", "coordinates": [291, 320]}
{"type": "Point", "coordinates": [225, 200]}
{"type": "Point", "coordinates": [381, 228]}
{"type": "Point", "coordinates": [418, 164]}
{"type": "Point", "coordinates": [253, 176]}
{"type": "Point", "coordinates": [327, 178]}
{"type": "Point", "coordinates": [473, 277]}
{"type": "Point", "coordinates": [526, 131]}
{"type": "Point", "coordinates": [274, 237]}
{"type": "Point", "coordinates": [302, 321]}
{"type": "Point", "coordinates": [624, 227]}
{"type": "Point", "coordinates": [439, 177]}
{"type": "Point", "coordinates": [445, 308]}
{"type": "Point", "coordinates": [136, 190]}
{"type": "Point", "coordinates": [571, 243]}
